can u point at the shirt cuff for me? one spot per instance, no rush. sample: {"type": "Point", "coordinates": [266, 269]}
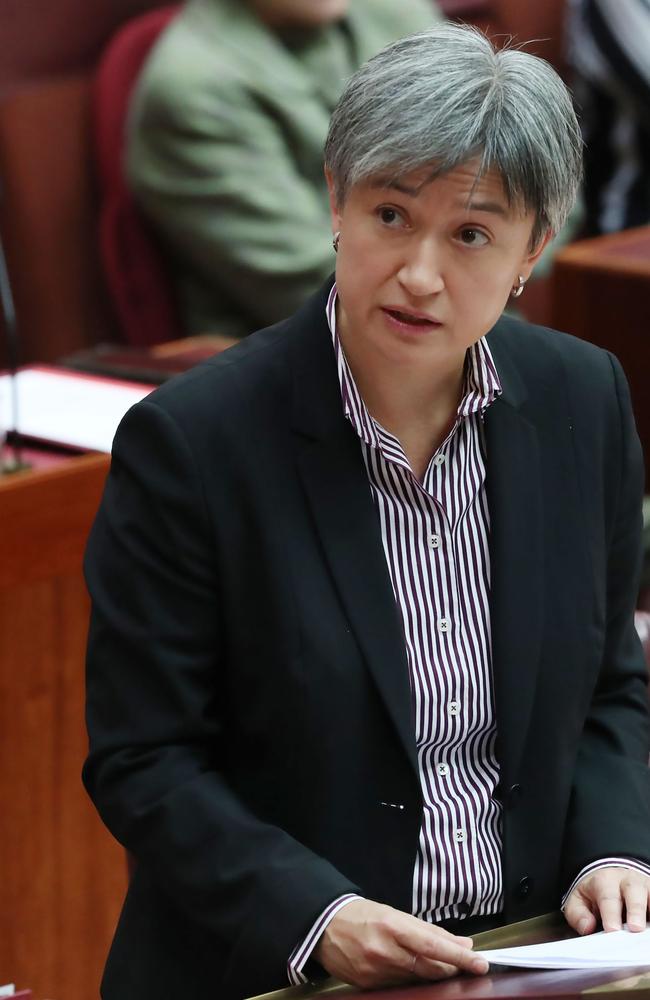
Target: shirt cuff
{"type": "Point", "coordinates": [637, 866]}
{"type": "Point", "coordinates": [302, 952]}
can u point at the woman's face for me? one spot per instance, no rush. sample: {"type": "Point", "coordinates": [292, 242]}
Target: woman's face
{"type": "Point", "coordinates": [425, 268]}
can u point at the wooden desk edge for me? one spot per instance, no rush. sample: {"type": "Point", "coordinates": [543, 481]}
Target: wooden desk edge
{"type": "Point", "coordinates": [87, 462]}
{"type": "Point", "coordinates": [585, 261]}
{"type": "Point", "coordinates": [594, 253]}
{"type": "Point", "coordinates": [501, 937]}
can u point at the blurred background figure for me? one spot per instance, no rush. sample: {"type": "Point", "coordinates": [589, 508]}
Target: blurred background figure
{"type": "Point", "coordinates": [609, 53]}
{"type": "Point", "coordinates": [224, 151]}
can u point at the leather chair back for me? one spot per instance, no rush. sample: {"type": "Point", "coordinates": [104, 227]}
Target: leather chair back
{"type": "Point", "coordinates": [134, 266]}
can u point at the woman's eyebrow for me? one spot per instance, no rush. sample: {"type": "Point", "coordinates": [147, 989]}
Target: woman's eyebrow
{"type": "Point", "coordinates": [486, 206]}
{"type": "Point", "coordinates": [495, 207]}
{"type": "Point", "coordinates": [412, 192]}
{"type": "Point", "coordinates": [396, 185]}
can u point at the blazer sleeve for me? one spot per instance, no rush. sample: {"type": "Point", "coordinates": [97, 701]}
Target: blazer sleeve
{"type": "Point", "coordinates": [610, 805]}
{"type": "Point", "coordinates": [156, 680]}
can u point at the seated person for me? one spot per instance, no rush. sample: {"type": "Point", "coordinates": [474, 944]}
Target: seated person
{"type": "Point", "coordinates": [363, 677]}
{"type": "Point", "coordinates": [225, 147]}
{"type": "Point", "coordinates": [609, 50]}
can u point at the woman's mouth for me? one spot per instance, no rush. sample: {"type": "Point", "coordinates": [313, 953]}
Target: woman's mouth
{"type": "Point", "coordinates": [410, 320]}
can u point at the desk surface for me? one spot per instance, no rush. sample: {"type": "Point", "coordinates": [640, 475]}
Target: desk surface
{"type": "Point", "coordinates": [627, 252]}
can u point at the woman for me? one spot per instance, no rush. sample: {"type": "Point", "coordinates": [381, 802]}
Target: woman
{"type": "Point", "coordinates": [363, 678]}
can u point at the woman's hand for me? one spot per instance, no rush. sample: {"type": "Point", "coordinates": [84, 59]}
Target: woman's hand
{"type": "Point", "coordinates": [369, 945]}
{"type": "Point", "coordinates": [604, 894]}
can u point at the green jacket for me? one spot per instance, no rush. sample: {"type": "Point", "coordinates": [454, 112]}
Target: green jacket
{"type": "Point", "coordinates": [225, 152]}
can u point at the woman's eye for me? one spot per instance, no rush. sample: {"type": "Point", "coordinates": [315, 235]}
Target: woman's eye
{"type": "Point", "coordinates": [473, 237]}
{"type": "Point", "coordinates": [389, 216]}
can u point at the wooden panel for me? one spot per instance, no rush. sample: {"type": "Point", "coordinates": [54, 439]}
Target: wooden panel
{"type": "Point", "coordinates": [601, 293]}
{"type": "Point", "coordinates": [51, 512]}
{"type": "Point", "coordinates": [467, 10]}
{"type": "Point", "coordinates": [539, 23]}
{"type": "Point", "coordinates": [543, 23]}
{"type": "Point", "coordinates": [42, 38]}
{"type": "Point", "coordinates": [47, 219]}
{"type": "Point", "coordinates": [481, 13]}
{"type": "Point", "coordinates": [63, 877]}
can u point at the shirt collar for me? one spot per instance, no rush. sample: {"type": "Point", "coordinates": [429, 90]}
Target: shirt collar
{"type": "Point", "coordinates": [480, 388]}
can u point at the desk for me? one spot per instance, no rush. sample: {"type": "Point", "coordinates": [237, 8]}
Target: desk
{"type": "Point", "coordinates": [601, 293]}
{"type": "Point", "coordinates": [63, 877]}
{"type": "Point", "coordinates": [604, 984]}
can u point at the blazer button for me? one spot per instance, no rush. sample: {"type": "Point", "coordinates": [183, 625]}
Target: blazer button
{"type": "Point", "coordinates": [525, 887]}
{"type": "Point", "coordinates": [514, 794]}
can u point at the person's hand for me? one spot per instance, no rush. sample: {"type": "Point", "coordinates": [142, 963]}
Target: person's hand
{"type": "Point", "coordinates": [369, 944]}
{"type": "Point", "coordinates": [606, 893]}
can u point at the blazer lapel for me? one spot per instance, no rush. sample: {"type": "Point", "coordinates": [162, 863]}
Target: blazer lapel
{"type": "Point", "coordinates": [334, 478]}
{"type": "Point", "coordinates": [514, 493]}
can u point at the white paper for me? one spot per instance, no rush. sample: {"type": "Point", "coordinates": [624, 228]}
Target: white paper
{"type": "Point", "coordinates": [66, 407]}
{"type": "Point", "coordinates": [616, 949]}
{"type": "Point", "coordinates": [7, 991]}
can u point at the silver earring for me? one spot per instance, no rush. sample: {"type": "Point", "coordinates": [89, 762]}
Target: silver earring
{"type": "Point", "coordinates": [519, 287]}
{"type": "Point", "coordinates": [335, 242]}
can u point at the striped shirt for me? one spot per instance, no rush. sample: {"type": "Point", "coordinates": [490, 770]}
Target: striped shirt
{"type": "Point", "coordinates": [435, 536]}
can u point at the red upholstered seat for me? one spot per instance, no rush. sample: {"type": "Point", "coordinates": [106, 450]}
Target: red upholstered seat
{"type": "Point", "coordinates": [133, 264]}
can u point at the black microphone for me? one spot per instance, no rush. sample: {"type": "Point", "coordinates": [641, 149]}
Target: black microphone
{"type": "Point", "coordinates": [14, 462]}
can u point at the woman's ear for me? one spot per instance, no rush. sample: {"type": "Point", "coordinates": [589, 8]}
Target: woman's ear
{"type": "Point", "coordinates": [334, 208]}
{"type": "Point", "coordinates": [532, 258]}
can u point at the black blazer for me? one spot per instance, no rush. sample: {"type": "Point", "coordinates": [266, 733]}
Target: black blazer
{"type": "Point", "coordinates": [248, 695]}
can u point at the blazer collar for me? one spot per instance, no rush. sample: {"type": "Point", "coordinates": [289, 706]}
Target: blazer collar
{"type": "Point", "coordinates": [317, 410]}
{"type": "Point", "coordinates": [515, 502]}
{"type": "Point", "coordinates": [514, 390]}
{"type": "Point", "coordinates": [313, 366]}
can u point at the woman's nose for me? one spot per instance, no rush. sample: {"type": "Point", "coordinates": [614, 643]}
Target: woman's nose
{"type": "Point", "coordinates": [421, 272]}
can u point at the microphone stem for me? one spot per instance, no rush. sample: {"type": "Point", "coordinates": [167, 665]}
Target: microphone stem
{"type": "Point", "coordinates": [11, 341]}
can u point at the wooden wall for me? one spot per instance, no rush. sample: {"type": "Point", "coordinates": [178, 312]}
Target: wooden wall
{"type": "Point", "coordinates": [526, 20]}
{"type": "Point", "coordinates": [53, 37]}
{"type": "Point", "coordinates": [539, 20]}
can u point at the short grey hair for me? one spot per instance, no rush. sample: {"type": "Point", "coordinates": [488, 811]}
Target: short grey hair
{"type": "Point", "coordinates": [448, 95]}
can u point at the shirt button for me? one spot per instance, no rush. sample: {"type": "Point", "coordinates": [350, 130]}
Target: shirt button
{"type": "Point", "coordinates": [443, 769]}
{"type": "Point", "coordinates": [454, 708]}
{"type": "Point", "coordinates": [514, 794]}
{"type": "Point", "coordinates": [434, 541]}
{"type": "Point", "coordinates": [459, 835]}
{"type": "Point", "coordinates": [439, 460]}
{"type": "Point", "coordinates": [524, 888]}
{"type": "Point", "coordinates": [443, 624]}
